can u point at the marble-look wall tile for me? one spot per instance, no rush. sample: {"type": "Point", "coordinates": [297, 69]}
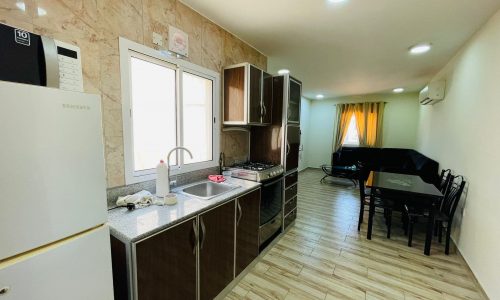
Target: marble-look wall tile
{"type": "Point", "coordinates": [212, 41]}
{"type": "Point", "coordinates": [190, 22]}
{"type": "Point", "coordinates": [18, 13]}
{"type": "Point", "coordinates": [96, 25]}
{"type": "Point", "coordinates": [158, 15]}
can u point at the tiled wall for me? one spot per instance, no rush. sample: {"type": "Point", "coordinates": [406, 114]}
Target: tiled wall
{"type": "Point", "coordinates": [95, 25]}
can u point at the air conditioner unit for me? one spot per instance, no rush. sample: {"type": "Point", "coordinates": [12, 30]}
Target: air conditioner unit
{"type": "Point", "coordinates": [432, 93]}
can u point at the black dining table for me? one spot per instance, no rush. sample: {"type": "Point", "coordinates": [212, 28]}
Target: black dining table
{"type": "Point", "coordinates": [405, 188]}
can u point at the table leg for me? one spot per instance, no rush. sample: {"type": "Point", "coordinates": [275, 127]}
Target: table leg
{"type": "Point", "coordinates": [370, 217]}
{"type": "Point", "coordinates": [430, 230]}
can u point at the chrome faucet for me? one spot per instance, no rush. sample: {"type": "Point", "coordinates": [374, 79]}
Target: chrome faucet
{"type": "Point", "coordinates": [168, 163]}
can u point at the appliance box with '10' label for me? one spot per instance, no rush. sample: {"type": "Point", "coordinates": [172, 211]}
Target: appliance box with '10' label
{"type": "Point", "coordinates": [29, 58]}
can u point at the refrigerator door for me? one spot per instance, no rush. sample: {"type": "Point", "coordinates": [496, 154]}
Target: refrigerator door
{"type": "Point", "coordinates": [52, 177]}
{"type": "Point", "coordinates": [78, 269]}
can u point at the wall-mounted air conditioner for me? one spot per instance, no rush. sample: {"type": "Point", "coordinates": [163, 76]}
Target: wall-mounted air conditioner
{"type": "Point", "coordinates": [432, 93]}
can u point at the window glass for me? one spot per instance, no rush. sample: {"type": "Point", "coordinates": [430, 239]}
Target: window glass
{"type": "Point", "coordinates": [352, 138]}
{"type": "Point", "coordinates": [197, 117]}
{"type": "Point", "coordinates": [153, 113]}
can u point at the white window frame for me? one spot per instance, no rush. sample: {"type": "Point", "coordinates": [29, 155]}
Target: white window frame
{"type": "Point", "coordinates": [129, 48]}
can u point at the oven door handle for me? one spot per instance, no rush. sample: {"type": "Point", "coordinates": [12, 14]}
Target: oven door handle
{"type": "Point", "coordinates": [271, 183]}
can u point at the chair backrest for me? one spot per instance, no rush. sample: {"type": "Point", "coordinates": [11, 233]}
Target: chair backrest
{"type": "Point", "coordinates": [444, 181]}
{"type": "Point", "coordinates": [452, 197]}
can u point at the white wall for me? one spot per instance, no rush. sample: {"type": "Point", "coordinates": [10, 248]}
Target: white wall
{"type": "Point", "coordinates": [399, 127]}
{"type": "Point", "coordinates": [305, 112]}
{"type": "Point", "coordinates": [462, 133]}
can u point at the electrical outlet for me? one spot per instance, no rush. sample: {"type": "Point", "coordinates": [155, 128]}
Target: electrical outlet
{"type": "Point", "coordinates": [157, 39]}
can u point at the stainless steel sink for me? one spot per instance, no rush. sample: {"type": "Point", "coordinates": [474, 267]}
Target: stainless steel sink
{"type": "Point", "coordinates": [208, 190]}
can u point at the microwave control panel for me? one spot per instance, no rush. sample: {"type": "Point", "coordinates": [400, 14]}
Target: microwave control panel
{"type": "Point", "coordinates": [70, 67]}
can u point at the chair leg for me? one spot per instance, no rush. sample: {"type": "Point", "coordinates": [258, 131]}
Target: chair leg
{"type": "Point", "coordinates": [410, 232]}
{"type": "Point", "coordinates": [436, 228]}
{"type": "Point", "coordinates": [389, 223]}
{"type": "Point", "coordinates": [404, 220]}
{"type": "Point", "coordinates": [448, 235]}
{"type": "Point", "coordinates": [440, 232]}
{"type": "Point", "coordinates": [361, 213]}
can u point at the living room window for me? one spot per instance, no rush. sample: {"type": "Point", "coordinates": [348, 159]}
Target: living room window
{"type": "Point", "coordinates": [167, 102]}
{"type": "Point", "coordinates": [352, 137]}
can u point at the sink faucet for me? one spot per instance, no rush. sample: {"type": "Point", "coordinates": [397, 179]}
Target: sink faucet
{"type": "Point", "coordinates": [168, 163]}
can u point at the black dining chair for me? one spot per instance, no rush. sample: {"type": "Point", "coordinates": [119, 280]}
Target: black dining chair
{"type": "Point", "coordinates": [444, 180]}
{"type": "Point", "coordinates": [443, 216]}
{"type": "Point", "coordinates": [380, 202]}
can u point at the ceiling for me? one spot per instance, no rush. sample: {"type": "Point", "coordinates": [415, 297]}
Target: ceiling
{"type": "Point", "coordinates": [354, 47]}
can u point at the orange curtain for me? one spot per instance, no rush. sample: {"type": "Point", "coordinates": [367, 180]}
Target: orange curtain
{"type": "Point", "coordinates": [369, 117]}
{"type": "Point", "coordinates": [344, 115]}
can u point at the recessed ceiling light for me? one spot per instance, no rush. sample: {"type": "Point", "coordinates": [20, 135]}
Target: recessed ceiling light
{"type": "Point", "coordinates": [398, 90]}
{"type": "Point", "coordinates": [336, 1]}
{"type": "Point", "coordinates": [320, 96]}
{"type": "Point", "coordinates": [420, 48]}
{"type": "Point", "coordinates": [283, 71]}
{"type": "Point", "coordinates": [21, 6]}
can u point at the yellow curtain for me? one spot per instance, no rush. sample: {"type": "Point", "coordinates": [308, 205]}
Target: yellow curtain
{"type": "Point", "coordinates": [369, 117]}
{"type": "Point", "coordinates": [344, 115]}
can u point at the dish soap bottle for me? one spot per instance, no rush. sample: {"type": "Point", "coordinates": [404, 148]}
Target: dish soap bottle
{"type": "Point", "coordinates": [162, 179]}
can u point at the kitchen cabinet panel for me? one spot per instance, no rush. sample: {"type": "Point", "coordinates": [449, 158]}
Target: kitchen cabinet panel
{"type": "Point", "coordinates": [292, 147]}
{"type": "Point", "coordinates": [216, 258]}
{"type": "Point", "coordinates": [247, 230]}
{"type": "Point", "coordinates": [247, 95]}
{"type": "Point", "coordinates": [166, 263]}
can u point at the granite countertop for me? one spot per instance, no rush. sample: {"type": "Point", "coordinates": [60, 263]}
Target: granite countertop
{"type": "Point", "coordinates": [131, 226]}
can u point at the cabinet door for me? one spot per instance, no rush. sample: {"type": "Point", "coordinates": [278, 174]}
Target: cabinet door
{"type": "Point", "coordinates": [255, 110]}
{"type": "Point", "coordinates": [166, 263]}
{"type": "Point", "coordinates": [247, 230]}
{"type": "Point", "coordinates": [234, 95]}
{"type": "Point", "coordinates": [216, 250]}
{"type": "Point", "coordinates": [292, 147]}
{"type": "Point", "coordinates": [294, 101]}
{"type": "Point", "coordinates": [267, 98]}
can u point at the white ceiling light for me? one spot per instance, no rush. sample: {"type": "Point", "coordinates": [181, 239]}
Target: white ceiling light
{"type": "Point", "coordinates": [283, 71]}
{"type": "Point", "coordinates": [336, 1]}
{"type": "Point", "coordinates": [420, 48]}
{"type": "Point", "coordinates": [320, 96]}
{"type": "Point", "coordinates": [398, 90]}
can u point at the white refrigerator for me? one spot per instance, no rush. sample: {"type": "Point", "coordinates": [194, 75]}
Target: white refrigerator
{"type": "Point", "coordinates": [54, 241]}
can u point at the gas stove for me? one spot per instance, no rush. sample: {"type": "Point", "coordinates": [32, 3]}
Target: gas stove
{"type": "Point", "coordinates": [256, 171]}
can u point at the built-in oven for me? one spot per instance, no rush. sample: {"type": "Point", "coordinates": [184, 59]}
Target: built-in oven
{"type": "Point", "coordinates": [271, 204]}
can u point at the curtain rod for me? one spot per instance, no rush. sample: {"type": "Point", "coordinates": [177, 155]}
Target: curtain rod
{"type": "Point", "coordinates": [385, 102]}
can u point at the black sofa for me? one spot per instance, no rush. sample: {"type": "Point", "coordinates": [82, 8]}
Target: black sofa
{"type": "Point", "coordinates": [395, 160]}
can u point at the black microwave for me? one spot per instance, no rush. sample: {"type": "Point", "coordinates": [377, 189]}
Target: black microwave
{"type": "Point", "coordinates": [29, 58]}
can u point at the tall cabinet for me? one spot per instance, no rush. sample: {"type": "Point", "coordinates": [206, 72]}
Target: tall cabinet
{"type": "Point", "coordinates": [287, 93]}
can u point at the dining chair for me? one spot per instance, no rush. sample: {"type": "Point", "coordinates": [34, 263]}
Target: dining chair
{"type": "Point", "coordinates": [380, 202]}
{"type": "Point", "coordinates": [443, 216]}
{"type": "Point", "coordinates": [444, 180]}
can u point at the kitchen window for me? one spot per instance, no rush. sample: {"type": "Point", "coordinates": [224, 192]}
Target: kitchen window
{"type": "Point", "coordinates": [167, 102]}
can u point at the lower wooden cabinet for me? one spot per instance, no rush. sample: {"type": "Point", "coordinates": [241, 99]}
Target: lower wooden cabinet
{"type": "Point", "coordinates": [195, 259]}
{"type": "Point", "coordinates": [166, 264]}
{"type": "Point", "coordinates": [216, 228]}
{"type": "Point", "coordinates": [247, 230]}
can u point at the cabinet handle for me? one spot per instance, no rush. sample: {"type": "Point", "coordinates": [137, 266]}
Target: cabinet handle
{"type": "Point", "coordinates": [4, 290]}
{"type": "Point", "coordinates": [202, 232]}
{"type": "Point", "coordinates": [240, 214]}
{"type": "Point", "coordinates": [287, 147]}
{"type": "Point", "coordinates": [265, 110]}
{"type": "Point", "coordinates": [195, 230]}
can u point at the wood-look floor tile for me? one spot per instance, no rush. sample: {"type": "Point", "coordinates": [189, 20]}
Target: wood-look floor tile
{"type": "Point", "coordinates": [324, 256]}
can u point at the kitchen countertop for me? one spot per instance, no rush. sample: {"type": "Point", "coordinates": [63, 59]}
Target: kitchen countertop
{"type": "Point", "coordinates": [131, 226]}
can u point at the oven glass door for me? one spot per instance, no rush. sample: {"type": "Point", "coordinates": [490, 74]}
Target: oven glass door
{"type": "Point", "coordinates": [271, 200]}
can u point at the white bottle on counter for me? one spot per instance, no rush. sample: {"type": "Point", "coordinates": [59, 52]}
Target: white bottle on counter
{"type": "Point", "coordinates": [162, 179]}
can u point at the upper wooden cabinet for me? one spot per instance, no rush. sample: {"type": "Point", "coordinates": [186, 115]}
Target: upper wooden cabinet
{"type": "Point", "coordinates": [287, 94]}
{"type": "Point", "coordinates": [248, 95]}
